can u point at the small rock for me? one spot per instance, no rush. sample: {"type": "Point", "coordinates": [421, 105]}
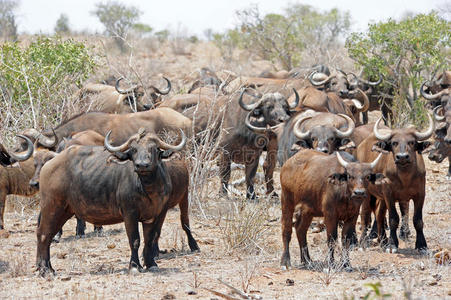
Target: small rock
{"type": "Point", "coordinates": [61, 255]}
{"type": "Point", "coordinates": [432, 282]}
{"type": "Point", "coordinates": [289, 282]}
{"type": "Point", "coordinates": [191, 292]}
{"type": "Point", "coordinates": [168, 297]}
{"type": "Point", "coordinates": [270, 283]}
{"type": "Point", "coordinates": [66, 278]}
{"type": "Point", "coordinates": [4, 234]}
{"type": "Point", "coordinates": [111, 246]}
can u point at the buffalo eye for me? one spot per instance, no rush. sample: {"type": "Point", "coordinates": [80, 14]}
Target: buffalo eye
{"type": "Point", "coordinates": [394, 144]}
{"type": "Point", "coordinates": [411, 143]}
{"type": "Point", "coordinates": [256, 112]}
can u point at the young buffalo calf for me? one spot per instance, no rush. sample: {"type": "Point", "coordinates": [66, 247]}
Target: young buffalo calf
{"type": "Point", "coordinates": [317, 184]}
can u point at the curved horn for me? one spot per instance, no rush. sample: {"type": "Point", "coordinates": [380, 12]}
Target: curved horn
{"type": "Point", "coordinates": [247, 107]}
{"type": "Point", "coordinates": [319, 83]}
{"type": "Point", "coordinates": [428, 133]}
{"type": "Point", "coordinates": [297, 131]}
{"type": "Point", "coordinates": [371, 83]}
{"type": "Point", "coordinates": [430, 97]}
{"type": "Point", "coordinates": [374, 162]}
{"type": "Point", "coordinates": [123, 92]}
{"type": "Point", "coordinates": [120, 148]}
{"type": "Point", "coordinates": [27, 155]}
{"type": "Point", "coordinates": [48, 142]}
{"type": "Point", "coordinates": [378, 134]}
{"type": "Point", "coordinates": [437, 117]}
{"type": "Point", "coordinates": [348, 132]}
{"type": "Point", "coordinates": [252, 127]}
{"type": "Point", "coordinates": [342, 162]}
{"type": "Point", "coordinates": [165, 91]}
{"type": "Point", "coordinates": [366, 102]}
{"type": "Point", "coordinates": [166, 146]}
{"type": "Point", "coordinates": [296, 101]}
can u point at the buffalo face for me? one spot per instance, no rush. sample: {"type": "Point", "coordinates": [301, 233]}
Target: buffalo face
{"type": "Point", "coordinates": [145, 150]}
{"type": "Point", "coordinates": [41, 157]}
{"type": "Point", "coordinates": [403, 143]}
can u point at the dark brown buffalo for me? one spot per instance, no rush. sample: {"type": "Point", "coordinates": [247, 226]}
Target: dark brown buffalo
{"type": "Point", "coordinates": [377, 99]}
{"type": "Point", "coordinates": [322, 131]}
{"type": "Point", "coordinates": [441, 149]}
{"type": "Point", "coordinates": [243, 136]}
{"type": "Point", "coordinates": [316, 184]}
{"type": "Point", "coordinates": [14, 179]}
{"type": "Point", "coordinates": [405, 178]}
{"type": "Point", "coordinates": [135, 184]}
{"type": "Point", "coordinates": [111, 99]}
{"type": "Point", "coordinates": [158, 120]}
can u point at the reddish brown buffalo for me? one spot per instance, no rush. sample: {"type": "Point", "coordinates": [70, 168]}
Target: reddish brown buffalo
{"type": "Point", "coordinates": [316, 184]}
{"type": "Point", "coordinates": [134, 185]}
{"type": "Point", "coordinates": [405, 178]}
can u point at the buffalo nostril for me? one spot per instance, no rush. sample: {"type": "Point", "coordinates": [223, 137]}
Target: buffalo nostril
{"type": "Point", "coordinates": [147, 106]}
{"type": "Point", "coordinates": [359, 192]}
{"type": "Point", "coordinates": [324, 150]}
{"type": "Point", "coordinates": [34, 184]}
{"type": "Point", "coordinates": [400, 156]}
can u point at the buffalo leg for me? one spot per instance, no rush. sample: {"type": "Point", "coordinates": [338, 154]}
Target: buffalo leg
{"type": "Point", "coordinates": [270, 165]}
{"type": "Point", "coordinates": [347, 237]}
{"type": "Point", "coordinates": [251, 170]}
{"type": "Point", "coordinates": [404, 231]}
{"type": "Point", "coordinates": [420, 242]}
{"type": "Point", "coordinates": [393, 222]}
{"type": "Point", "coordinates": [51, 222]}
{"type": "Point", "coordinates": [287, 224]}
{"type": "Point", "coordinates": [365, 218]}
{"type": "Point", "coordinates": [332, 233]}
{"type": "Point", "coordinates": [381, 210]}
{"type": "Point", "coordinates": [302, 224]}
{"type": "Point", "coordinates": [184, 219]}
{"type": "Point", "coordinates": [57, 237]}
{"type": "Point", "coordinates": [131, 226]}
{"type": "Point", "coordinates": [365, 117]}
{"type": "Point", "coordinates": [151, 233]}
{"type": "Point", "coordinates": [2, 208]}
{"type": "Point", "coordinates": [98, 229]}
{"type": "Point", "coordinates": [448, 176]}
{"type": "Point", "coordinates": [80, 229]}
{"type": "Point", "coordinates": [224, 172]}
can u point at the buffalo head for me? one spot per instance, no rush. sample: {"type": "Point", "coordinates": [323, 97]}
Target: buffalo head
{"type": "Point", "coordinates": [323, 138]}
{"type": "Point", "coordinates": [271, 109]}
{"type": "Point", "coordinates": [403, 143]}
{"type": "Point", "coordinates": [336, 82]}
{"type": "Point", "coordinates": [134, 95]}
{"type": "Point", "coordinates": [145, 150]}
{"type": "Point", "coordinates": [357, 176]}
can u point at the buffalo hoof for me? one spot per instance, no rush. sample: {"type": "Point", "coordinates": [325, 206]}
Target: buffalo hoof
{"type": "Point", "coordinates": [98, 230]}
{"type": "Point", "coordinates": [448, 177]}
{"type": "Point", "coordinates": [56, 239]}
{"type": "Point", "coordinates": [404, 234]}
{"type": "Point", "coordinates": [423, 251]}
{"type": "Point", "coordinates": [392, 249]}
{"type": "Point", "coordinates": [46, 271]}
{"type": "Point", "coordinates": [153, 269]}
{"type": "Point", "coordinates": [285, 263]}
{"type": "Point", "coordinates": [80, 236]}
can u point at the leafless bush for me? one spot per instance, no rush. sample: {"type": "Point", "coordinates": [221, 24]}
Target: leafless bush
{"type": "Point", "coordinates": [249, 271]}
{"type": "Point", "coordinates": [244, 225]}
{"type": "Point", "coordinates": [18, 266]}
{"type": "Point", "coordinates": [179, 41]}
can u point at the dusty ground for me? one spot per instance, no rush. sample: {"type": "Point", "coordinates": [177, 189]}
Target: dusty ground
{"type": "Point", "coordinates": [96, 267]}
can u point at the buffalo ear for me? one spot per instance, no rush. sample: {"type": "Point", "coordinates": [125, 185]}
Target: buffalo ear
{"type": "Point", "coordinates": [129, 100]}
{"type": "Point", "coordinates": [122, 155]}
{"type": "Point", "coordinates": [421, 146]}
{"type": "Point", "coordinates": [338, 178]}
{"type": "Point", "coordinates": [382, 146]}
{"type": "Point", "coordinates": [440, 130]}
{"type": "Point", "coordinates": [166, 154]}
{"type": "Point", "coordinates": [377, 178]}
{"type": "Point", "coordinates": [301, 144]}
{"type": "Point", "coordinates": [346, 144]}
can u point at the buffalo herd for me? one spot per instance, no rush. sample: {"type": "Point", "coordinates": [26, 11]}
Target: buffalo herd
{"type": "Point", "coordinates": [114, 165]}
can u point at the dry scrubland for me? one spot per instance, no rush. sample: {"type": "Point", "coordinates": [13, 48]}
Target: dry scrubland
{"type": "Point", "coordinates": [240, 241]}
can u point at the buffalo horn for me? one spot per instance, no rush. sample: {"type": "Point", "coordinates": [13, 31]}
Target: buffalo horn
{"type": "Point", "coordinates": [297, 128]}
{"type": "Point", "coordinates": [348, 132]}
{"type": "Point", "coordinates": [380, 135]}
{"type": "Point", "coordinates": [27, 155]}
{"type": "Point", "coordinates": [319, 83]}
{"type": "Point", "coordinates": [165, 91]}
{"type": "Point", "coordinates": [437, 117]}
{"type": "Point", "coordinates": [428, 133]}
{"type": "Point", "coordinates": [342, 162]}
{"type": "Point", "coordinates": [120, 148]}
{"type": "Point", "coordinates": [166, 146]}
{"type": "Point", "coordinates": [247, 107]}
{"type": "Point", "coordinates": [374, 163]}
{"type": "Point", "coordinates": [124, 92]}
{"type": "Point", "coordinates": [48, 142]}
{"type": "Point", "coordinates": [431, 97]}
{"type": "Point", "coordinates": [296, 101]}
